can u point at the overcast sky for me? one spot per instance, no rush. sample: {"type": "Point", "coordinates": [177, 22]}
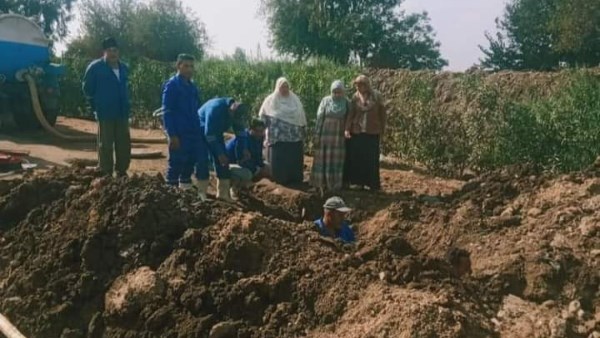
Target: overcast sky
{"type": "Point", "coordinates": [459, 24]}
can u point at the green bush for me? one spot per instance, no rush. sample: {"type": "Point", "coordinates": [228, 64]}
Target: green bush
{"type": "Point", "coordinates": [450, 122]}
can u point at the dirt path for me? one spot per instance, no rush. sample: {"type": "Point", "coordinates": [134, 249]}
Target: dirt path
{"type": "Point", "coordinates": [48, 151]}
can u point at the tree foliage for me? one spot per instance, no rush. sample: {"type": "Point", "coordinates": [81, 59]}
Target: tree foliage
{"type": "Point", "coordinates": [51, 15]}
{"type": "Point", "coordinates": [540, 34]}
{"type": "Point", "coordinates": [158, 30]}
{"type": "Point", "coordinates": [239, 55]}
{"type": "Point", "coordinates": [375, 32]}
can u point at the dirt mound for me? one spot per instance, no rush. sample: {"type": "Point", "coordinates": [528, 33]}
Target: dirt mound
{"type": "Point", "coordinates": [82, 256]}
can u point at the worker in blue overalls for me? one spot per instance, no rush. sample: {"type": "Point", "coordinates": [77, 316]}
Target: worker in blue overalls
{"type": "Point", "coordinates": [216, 117]}
{"type": "Point", "coordinates": [180, 103]}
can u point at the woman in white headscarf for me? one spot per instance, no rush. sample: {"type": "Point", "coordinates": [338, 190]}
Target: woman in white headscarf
{"type": "Point", "coordinates": [284, 116]}
{"type": "Point", "coordinates": [330, 149]}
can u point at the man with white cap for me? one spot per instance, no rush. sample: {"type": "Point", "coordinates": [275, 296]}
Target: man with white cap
{"type": "Point", "coordinates": [333, 223]}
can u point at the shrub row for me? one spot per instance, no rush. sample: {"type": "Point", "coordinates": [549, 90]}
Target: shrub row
{"type": "Point", "coordinates": [447, 122]}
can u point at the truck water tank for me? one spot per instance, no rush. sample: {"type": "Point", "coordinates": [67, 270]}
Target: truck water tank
{"type": "Point", "coordinates": [22, 45]}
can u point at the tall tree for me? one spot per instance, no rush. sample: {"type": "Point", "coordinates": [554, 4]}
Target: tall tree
{"type": "Point", "coordinates": [240, 55]}
{"type": "Point", "coordinates": [540, 34]}
{"type": "Point", "coordinates": [577, 30]}
{"type": "Point", "coordinates": [376, 32]}
{"type": "Point", "coordinates": [51, 15]}
{"type": "Point", "coordinates": [158, 30]}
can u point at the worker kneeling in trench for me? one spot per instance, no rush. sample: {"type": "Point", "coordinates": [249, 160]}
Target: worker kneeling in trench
{"type": "Point", "coordinates": [245, 153]}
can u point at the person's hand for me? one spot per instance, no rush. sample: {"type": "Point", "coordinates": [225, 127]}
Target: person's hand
{"type": "Point", "coordinates": [246, 156]}
{"type": "Point", "coordinates": [347, 134]}
{"type": "Point", "coordinates": [174, 143]}
{"type": "Point", "coordinates": [223, 160]}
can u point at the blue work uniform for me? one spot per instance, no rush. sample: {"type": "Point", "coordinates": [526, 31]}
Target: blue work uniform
{"type": "Point", "coordinates": [345, 234]}
{"type": "Point", "coordinates": [108, 95]}
{"type": "Point", "coordinates": [215, 120]}
{"type": "Point", "coordinates": [245, 142]}
{"type": "Point", "coordinates": [180, 102]}
{"type": "Point", "coordinates": [107, 92]}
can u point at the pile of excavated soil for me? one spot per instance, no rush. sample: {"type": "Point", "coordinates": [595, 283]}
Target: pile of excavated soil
{"type": "Point", "coordinates": [82, 256]}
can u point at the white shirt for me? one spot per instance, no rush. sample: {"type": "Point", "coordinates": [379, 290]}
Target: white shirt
{"type": "Point", "coordinates": [117, 73]}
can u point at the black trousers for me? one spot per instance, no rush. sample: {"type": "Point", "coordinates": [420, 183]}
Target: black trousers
{"type": "Point", "coordinates": [362, 161]}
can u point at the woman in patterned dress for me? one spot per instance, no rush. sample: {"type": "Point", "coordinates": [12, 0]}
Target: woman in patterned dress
{"type": "Point", "coordinates": [330, 150]}
{"type": "Point", "coordinates": [285, 119]}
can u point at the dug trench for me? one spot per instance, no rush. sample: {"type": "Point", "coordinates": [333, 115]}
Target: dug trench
{"type": "Point", "coordinates": [83, 256]}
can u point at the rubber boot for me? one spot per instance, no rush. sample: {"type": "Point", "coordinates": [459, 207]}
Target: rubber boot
{"type": "Point", "coordinates": [234, 193]}
{"type": "Point", "coordinates": [185, 186]}
{"type": "Point", "coordinates": [223, 192]}
{"type": "Point", "coordinates": [202, 186]}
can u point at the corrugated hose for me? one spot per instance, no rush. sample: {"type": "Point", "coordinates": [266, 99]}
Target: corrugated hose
{"type": "Point", "coordinates": [37, 108]}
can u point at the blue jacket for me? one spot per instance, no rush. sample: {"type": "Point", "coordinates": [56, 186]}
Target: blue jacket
{"type": "Point", "coordinates": [215, 120]}
{"type": "Point", "coordinates": [235, 151]}
{"type": "Point", "coordinates": [180, 103]}
{"type": "Point", "coordinates": [107, 95]}
{"type": "Point", "coordinates": [345, 234]}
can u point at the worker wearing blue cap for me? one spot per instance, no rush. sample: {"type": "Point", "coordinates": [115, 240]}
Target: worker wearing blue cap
{"type": "Point", "coordinates": [333, 223]}
{"type": "Point", "coordinates": [180, 103]}
{"type": "Point", "coordinates": [217, 116]}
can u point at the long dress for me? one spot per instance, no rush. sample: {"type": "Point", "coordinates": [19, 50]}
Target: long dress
{"type": "Point", "coordinates": [328, 162]}
{"type": "Point", "coordinates": [285, 143]}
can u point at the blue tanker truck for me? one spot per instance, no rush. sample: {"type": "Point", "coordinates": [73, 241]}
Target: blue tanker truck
{"type": "Point", "coordinates": [29, 88]}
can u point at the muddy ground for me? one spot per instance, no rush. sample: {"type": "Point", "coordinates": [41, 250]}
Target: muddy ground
{"type": "Point", "coordinates": [83, 256]}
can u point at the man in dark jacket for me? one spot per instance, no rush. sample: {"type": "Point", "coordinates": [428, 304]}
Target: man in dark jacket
{"type": "Point", "coordinates": [216, 117]}
{"type": "Point", "coordinates": [105, 86]}
{"type": "Point", "coordinates": [180, 103]}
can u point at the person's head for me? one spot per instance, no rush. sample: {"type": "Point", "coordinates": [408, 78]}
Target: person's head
{"type": "Point", "coordinates": [257, 129]}
{"type": "Point", "coordinates": [337, 89]}
{"type": "Point", "coordinates": [362, 84]}
{"type": "Point", "coordinates": [185, 65]}
{"type": "Point", "coordinates": [111, 50]}
{"type": "Point", "coordinates": [460, 260]}
{"type": "Point", "coordinates": [238, 109]}
{"type": "Point", "coordinates": [282, 87]}
{"type": "Point", "coordinates": [334, 212]}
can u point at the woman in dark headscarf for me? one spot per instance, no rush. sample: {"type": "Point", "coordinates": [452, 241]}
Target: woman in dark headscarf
{"type": "Point", "coordinates": [364, 126]}
{"type": "Point", "coordinates": [330, 149]}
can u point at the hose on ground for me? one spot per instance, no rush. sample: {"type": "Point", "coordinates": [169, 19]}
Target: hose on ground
{"type": "Point", "coordinates": [39, 114]}
{"type": "Point", "coordinates": [8, 329]}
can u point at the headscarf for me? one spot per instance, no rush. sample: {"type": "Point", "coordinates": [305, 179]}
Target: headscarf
{"type": "Point", "coordinates": [336, 105]}
{"type": "Point", "coordinates": [286, 108]}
